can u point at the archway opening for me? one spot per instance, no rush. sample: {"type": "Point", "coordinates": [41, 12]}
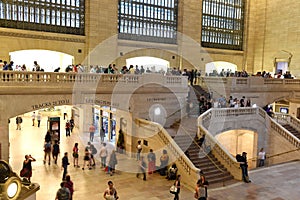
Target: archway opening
{"type": "Point", "coordinates": [149, 63]}
{"type": "Point", "coordinates": [220, 68]}
{"type": "Point", "coordinates": [48, 60]}
{"type": "Point", "coordinates": [238, 141]}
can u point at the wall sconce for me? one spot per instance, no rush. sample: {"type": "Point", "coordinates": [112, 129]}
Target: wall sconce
{"type": "Point", "coordinates": [10, 183]}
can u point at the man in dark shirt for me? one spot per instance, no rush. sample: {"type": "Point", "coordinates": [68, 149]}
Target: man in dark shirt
{"type": "Point", "coordinates": [65, 163]}
{"type": "Point", "coordinates": [244, 167]}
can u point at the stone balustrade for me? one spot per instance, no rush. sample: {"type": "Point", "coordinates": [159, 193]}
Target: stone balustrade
{"type": "Point", "coordinates": [23, 78]}
{"type": "Point", "coordinates": [162, 140]}
{"type": "Point", "coordinates": [287, 119]}
{"type": "Point", "coordinates": [222, 154]}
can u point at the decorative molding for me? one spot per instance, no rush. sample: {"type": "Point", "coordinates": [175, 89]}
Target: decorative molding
{"type": "Point", "coordinates": [68, 38]}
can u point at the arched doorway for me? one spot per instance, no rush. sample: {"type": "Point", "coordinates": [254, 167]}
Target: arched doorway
{"type": "Point", "coordinates": [48, 60]}
{"type": "Point", "coordinates": [152, 63]}
{"type": "Point", "coordinates": [219, 67]}
{"type": "Point", "coordinates": [238, 141]}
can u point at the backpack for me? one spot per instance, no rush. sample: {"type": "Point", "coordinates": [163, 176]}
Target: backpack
{"type": "Point", "coordinates": [63, 194]}
{"type": "Point", "coordinates": [93, 149]}
{"type": "Point", "coordinates": [239, 158]}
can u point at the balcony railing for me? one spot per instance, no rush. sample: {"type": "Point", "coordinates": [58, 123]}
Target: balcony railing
{"type": "Point", "coordinates": [24, 78]}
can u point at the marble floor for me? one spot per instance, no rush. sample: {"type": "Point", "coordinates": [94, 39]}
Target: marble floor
{"type": "Point", "coordinates": [270, 183]}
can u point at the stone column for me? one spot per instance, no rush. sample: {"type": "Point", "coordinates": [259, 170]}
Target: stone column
{"type": "Point", "coordinates": [4, 138]}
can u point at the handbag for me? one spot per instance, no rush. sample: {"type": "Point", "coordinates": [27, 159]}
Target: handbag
{"type": "Point", "coordinates": [173, 189]}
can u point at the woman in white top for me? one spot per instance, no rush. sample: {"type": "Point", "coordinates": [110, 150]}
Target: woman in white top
{"type": "Point", "coordinates": [261, 157]}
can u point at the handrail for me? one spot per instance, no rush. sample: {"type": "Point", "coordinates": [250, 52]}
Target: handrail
{"type": "Point", "coordinates": [28, 77]}
{"type": "Point", "coordinates": [167, 139]}
{"type": "Point", "coordinates": [291, 120]}
{"type": "Point", "coordinates": [221, 153]}
{"type": "Point", "coordinates": [199, 147]}
{"type": "Point", "coordinates": [204, 121]}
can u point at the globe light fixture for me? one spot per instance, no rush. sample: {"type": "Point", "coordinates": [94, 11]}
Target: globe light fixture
{"type": "Point", "coordinates": [10, 183]}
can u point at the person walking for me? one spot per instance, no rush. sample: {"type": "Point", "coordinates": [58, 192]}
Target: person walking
{"type": "Point", "coordinates": [87, 158]}
{"type": "Point", "coordinates": [142, 168]}
{"type": "Point", "coordinates": [75, 155]}
{"type": "Point", "coordinates": [138, 150]}
{"type": "Point", "coordinates": [261, 157]}
{"type": "Point", "coordinates": [200, 193]}
{"type": "Point", "coordinates": [47, 150]}
{"type": "Point", "coordinates": [72, 124]}
{"type": "Point", "coordinates": [151, 162]}
{"type": "Point", "coordinates": [27, 167]}
{"type": "Point", "coordinates": [177, 185]}
{"type": "Point", "coordinates": [70, 185]}
{"type": "Point", "coordinates": [92, 132]}
{"type": "Point", "coordinates": [65, 163]}
{"type": "Point", "coordinates": [33, 118]}
{"type": "Point", "coordinates": [19, 121]}
{"type": "Point", "coordinates": [63, 193]}
{"type": "Point", "coordinates": [110, 193]}
{"type": "Point", "coordinates": [55, 151]}
{"type": "Point", "coordinates": [103, 155]}
{"type": "Point", "coordinates": [39, 118]}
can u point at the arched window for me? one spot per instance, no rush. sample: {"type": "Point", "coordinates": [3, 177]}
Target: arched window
{"type": "Point", "coordinates": [148, 20]}
{"type": "Point", "coordinates": [223, 24]}
{"type": "Point", "coordinates": [59, 16]}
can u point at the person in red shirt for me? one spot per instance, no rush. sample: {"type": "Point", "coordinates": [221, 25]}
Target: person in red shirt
{"type": "Point", "coordinates": [92, 132]}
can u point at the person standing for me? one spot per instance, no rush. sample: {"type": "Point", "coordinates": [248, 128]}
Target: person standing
{"type": "Point", "coordinates": [68, 126]}
{"type": "Point", "coordinates": [65, 113]}
{"type": "Point", "coordinates": [27, 167]}
{"type": "Point", "coordinates": [151, 162]}
{"type": "Point", "coordinates": [65, 163]}
{"type": "Point", "coordinates": [39, 118]}
{"type": "Point", "coordinates": [33, 118]}
{"type": "Point", "coordinates": [55, 151]}
{"type": "Point", "coordinates": [164, 160]}
{"type": "Point", "coordinates": [112, 162]}
{"type": "Point", "coordinates": [102, 134]}
{"type": "Point", "coordinates": [139, 150]}
{"type": "Point", "coordinates": [69, 184]}
{"type": "Point", "coordinates": [142, 168]}
{"type": "Point", "coordinates": [244, 167]}
{"type": "Point", "coordinates": [92, 132]}
{"type": "Point", "coordinates": [19, 121]}
{"type": "Point", "coordinates": [36, 66]}
{"type": "Point", "coordinates": [63, 193]}
{"type": "Point", "coordinates": [110, 193]}
{"type": "Point", "coordinates": [177, 185]}
{"type": "Point", "coordinates": [261, 157]}
{"type": "Point", "coordinates": [75, 155]}
{"type": "Point", "coordinates": [103, 155]}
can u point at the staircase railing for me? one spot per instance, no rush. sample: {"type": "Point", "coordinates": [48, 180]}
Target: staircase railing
{"type": "Point", "coordinates": [288, 119]}
{"type": "Point", "coordinates": [189, 172]}
{"type": "Point", "coordinates": [222, 154]}
{"type": "Point", "coordinates": [204, 150]}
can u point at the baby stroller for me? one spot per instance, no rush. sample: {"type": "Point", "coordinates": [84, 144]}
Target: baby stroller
{"type": "Point", "coordinates": [172, 172]}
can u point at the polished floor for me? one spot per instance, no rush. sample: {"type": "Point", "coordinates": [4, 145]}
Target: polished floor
{"type": "Point", "coordinates": [272, 183]}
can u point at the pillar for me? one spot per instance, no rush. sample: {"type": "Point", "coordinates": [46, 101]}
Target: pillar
{"type": "Point", "coordinates": [4, 139]}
